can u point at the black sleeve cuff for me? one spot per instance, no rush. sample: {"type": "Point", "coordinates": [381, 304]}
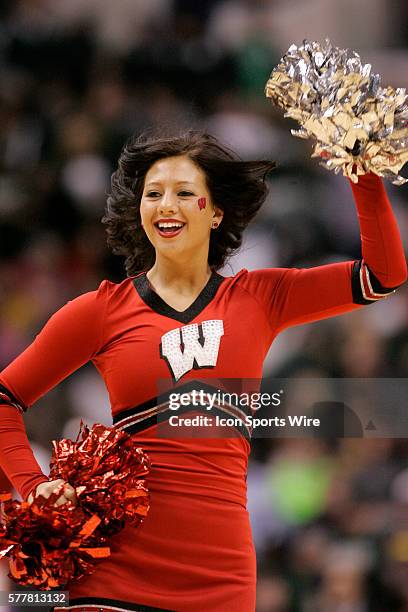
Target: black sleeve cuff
{"type": "Point", "coordinates": [7, 397]}
{"type": "Point", "coordinates": [365, 286]}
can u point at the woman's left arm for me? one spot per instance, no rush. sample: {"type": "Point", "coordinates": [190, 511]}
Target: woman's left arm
{"type": "Point", "coordinates": [292, 296]}
{"type": "Point", "coordinates": [383, 267]}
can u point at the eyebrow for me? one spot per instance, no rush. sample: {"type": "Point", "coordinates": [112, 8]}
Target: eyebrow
{"type": "Point", "coordinates": [178, 183]}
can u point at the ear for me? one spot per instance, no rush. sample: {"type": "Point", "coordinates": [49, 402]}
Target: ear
{"type": "Point", "coordinates": [218, 214]}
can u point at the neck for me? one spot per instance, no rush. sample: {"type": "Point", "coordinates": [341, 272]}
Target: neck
{"type": "Point", "coordinates": [183, 276]}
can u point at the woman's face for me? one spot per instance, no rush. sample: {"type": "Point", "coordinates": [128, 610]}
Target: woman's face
{"type": "Point", "coordinates": [176, 209]}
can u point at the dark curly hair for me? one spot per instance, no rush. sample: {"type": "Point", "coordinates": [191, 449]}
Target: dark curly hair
{"type": "Point", "coordinates": [237, 187]}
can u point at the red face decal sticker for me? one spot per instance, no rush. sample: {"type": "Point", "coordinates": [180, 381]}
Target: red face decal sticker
{"type": "Point", "coordinates": [202, 202]}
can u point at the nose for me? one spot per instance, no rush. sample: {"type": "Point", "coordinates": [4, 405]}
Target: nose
{"type": "Point", "coordinates": [168, 203]}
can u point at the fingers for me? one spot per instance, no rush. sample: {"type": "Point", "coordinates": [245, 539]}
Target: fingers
{"type": "Point", "coordinates": [64, 490]}
{"type": "Point", "coordinates": [61, 500]}
{"type": "Point", "coordinates": [68, 495]}
{"type": "Point", "coordinates": [69, 492]}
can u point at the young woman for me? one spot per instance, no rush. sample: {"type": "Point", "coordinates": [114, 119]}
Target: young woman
{"type": "Point", "coordinates": [177, 209]}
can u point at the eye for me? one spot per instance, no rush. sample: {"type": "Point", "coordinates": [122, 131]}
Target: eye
{"type": "Point", "coordinates": [153, 194]}
{"type": "Point", "coordinates": [185, 194]}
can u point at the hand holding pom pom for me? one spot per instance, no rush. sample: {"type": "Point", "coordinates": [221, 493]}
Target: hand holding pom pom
{"type": "Point", "coordinates": [359, 126]}
{"type": "Point", "coordinates": [63, 529]}
{"type": "Point", "coordinates": [45, 489]}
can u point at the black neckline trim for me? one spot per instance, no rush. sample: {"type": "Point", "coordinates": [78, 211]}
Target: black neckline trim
{"type": "Point", "coordinates": [156, 303]}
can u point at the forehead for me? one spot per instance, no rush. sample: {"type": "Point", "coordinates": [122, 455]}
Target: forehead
{"type": "Point", "coordinates": [176, 169]}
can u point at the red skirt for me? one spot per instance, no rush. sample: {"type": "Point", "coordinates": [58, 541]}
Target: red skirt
{"type": "Point", "coordinates": [192, 553]}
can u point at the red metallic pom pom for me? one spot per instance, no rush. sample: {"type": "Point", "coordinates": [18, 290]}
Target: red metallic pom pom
{"type": "Point", "coordinates": [48, 545]}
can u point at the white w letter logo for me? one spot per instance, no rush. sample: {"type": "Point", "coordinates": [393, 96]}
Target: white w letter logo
{"type": "Point", "coordinates": [192, 347]}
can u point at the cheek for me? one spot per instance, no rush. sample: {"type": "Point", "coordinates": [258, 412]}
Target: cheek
{"type": "Point", "coordinates": [142, 218]}
{"type": "Point", "coordinates": [202, 203]}
{"type": "Point", "coordinates": [145, 212]}
{"type": "Point", "coordinates": [198, 213]}
{"type": "Point", "coordinates": [145, 215]}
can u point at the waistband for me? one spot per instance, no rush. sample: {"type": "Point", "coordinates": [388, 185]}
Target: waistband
{"type": "Point", "coordinates": [102, 604]}
{"type": "Point", "coordinates": [158, 409]}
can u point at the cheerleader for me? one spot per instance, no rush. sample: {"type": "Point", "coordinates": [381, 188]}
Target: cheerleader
{"type": "Point", "coordinates": [177, 209]}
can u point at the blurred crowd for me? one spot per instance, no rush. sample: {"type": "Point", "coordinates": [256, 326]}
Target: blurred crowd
{"type": "Point", "coordinates": [77, 79]}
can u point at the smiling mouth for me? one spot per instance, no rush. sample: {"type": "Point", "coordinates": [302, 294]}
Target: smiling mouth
{"type": "Point", "coordinates": [169, 230]}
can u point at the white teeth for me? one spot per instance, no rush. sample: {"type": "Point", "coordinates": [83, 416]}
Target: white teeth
{"type": "Point", "coordinates": [163, 225]}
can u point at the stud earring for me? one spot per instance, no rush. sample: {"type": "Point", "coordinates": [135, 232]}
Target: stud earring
{"type": "Point", "coordinates": [214, 225]}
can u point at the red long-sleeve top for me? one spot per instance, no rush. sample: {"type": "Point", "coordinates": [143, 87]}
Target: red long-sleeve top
{"type": "Point", "coordinates": [115, 326]}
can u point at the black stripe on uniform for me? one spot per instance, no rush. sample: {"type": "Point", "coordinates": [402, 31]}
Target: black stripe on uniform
{"type": "Point", "coordinates": [358, 297]}
{"type": "Point", "coordinates": [357, 289]}
{"type": "Point", "coordinates": [163, 416]}
{"type": "Point", "coordinates": [104, 602]}
{"type": "Point", "coordinates": [144, 423]}
{"type": "Point", "coordinates": [7, 397]}
{"type": "Point", "coordinates": [377, 286]}
{"type": "Point", "coordinates": [192, 385]}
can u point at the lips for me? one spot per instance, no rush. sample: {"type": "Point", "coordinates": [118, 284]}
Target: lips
{"type": "Point", "coordinates": [169, 232]}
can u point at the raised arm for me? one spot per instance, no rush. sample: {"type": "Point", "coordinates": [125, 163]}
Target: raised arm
{"type": "Point", "coordinates": [383, 253]}
{"type": "Point", "coordinates": [291, 296]}
{"type": "Point", "coordinates": [71, 337]}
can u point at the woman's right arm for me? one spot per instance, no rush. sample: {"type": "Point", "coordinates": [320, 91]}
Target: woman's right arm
{"type": "Point", "coordinates": [71, 337]}
{"type": "Point", "coordinates": [19, 463]}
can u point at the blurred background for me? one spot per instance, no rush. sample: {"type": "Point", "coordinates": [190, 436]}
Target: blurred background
{"type": "Point", "coordinates": [77, 78]}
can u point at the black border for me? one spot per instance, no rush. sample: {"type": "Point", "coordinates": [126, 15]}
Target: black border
{"type": "Point", "coordinates": [105, 602]}
{"type": "Point", "coordinates": [156, 303]}
{"type": "Point", "coordinates": [13, 401]}
{"type": "Point", "coordinates": [164, 397]}
{"type": "Point", "coordinates": [358, 297]}
{"type": "Point", "coordinates": [164, 417]}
